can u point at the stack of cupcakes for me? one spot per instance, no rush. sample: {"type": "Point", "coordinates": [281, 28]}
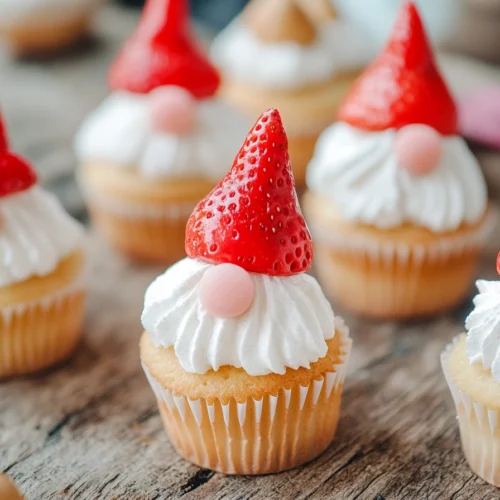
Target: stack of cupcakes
{"type": "Point", "coordinates": [160, 141]}
{"type": "Point", "coordinates": [246, 383]}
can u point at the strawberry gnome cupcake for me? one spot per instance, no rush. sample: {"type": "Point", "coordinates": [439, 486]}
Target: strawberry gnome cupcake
{"type": "Point", "coordinates": [241, 347]}
{"type": "Point", "coordinates": [33, 27]}
{"type": "Point", "coordinates": [293, 55]}
{"type": "Point", "coordinates": [41, 271]}
{"type": "Point", "coordinates": [160, 141]}
{"type": "Point", "coordinates": [396, 202]}
{"type": "Point", "coordinates": [471, 364]}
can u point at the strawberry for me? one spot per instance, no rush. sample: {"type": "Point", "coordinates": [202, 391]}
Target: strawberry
{"type": "Point", "coordinates": [403, 85]}
{"type": "Point", "coordinates": [252, 217]}
{"type": "Point", "coordinates": [15, 174]}
{"type": "Point", "coordinates": [162, 52]}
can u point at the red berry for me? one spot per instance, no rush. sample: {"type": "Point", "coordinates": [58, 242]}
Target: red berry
{"type": "Point", "coordinates": [498, 263]}
{"type": "Point", "coordinates": [252, 217]}
{"type": "Point", "coordinates": [15, 174]}
{"type": "Point", "coordinates": [403, 85]}
{"type": "Point", "coordinates": [162, 52]}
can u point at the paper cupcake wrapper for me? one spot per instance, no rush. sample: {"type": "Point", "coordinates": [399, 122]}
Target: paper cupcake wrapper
{"type": "Point", "coordinates": [389, 252]}
{"type": "Point", "coordinates": [479, 427]}
{"type": "Point", "coordinates": [38, 333]}
{"type": "Point", "coordinates": [137, 211]}
{"type": "Point", "coordinates": [256, 436]}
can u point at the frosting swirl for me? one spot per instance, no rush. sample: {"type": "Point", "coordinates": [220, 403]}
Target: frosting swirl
{"type": "Point", "coordinates": [359, 172]}
{"type": "Point", "coordinates": [35, 234]}
{"type": "Point", "coordinates": [268, 338]}
{"type": "Point", "coordinates": [118, 132]}
{"type": "Point", "coordinates": [483, 325]}
{"type": "Point", "coordinates": [288, 64]}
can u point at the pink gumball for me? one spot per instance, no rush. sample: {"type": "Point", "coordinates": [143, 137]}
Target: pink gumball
{"type": "Point", "coordinates": [172, 110]}
{"type": "Point", "coordinates": [226, 291]}
{"type": "Point", "coordinates": [418, 148]}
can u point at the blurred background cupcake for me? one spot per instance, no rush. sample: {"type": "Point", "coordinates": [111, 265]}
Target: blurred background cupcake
{"type": "Point", "coordinates": [396, 202]}
{"type": "Point", "coordinates": [296, 56]}
{"type": "Point", "coordinates": [35, 27]}
{"type": "Point", "coordinates": [160, 141]}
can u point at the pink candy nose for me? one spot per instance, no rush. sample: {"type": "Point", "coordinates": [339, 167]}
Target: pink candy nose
{"type": "Point", "coordinates": [172, 110]}
{"type": "Point", "coordinates": [226, 291]}
{"type": "Point", "coordinates": [418, 148]}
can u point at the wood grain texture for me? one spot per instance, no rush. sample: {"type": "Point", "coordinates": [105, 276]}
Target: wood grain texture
{"type": "Point", "coordinates": [91, 429]}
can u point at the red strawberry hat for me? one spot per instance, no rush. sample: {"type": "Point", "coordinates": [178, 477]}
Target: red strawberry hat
{"type": "Point", "coordinates": [16, 173]}
{"type": "Point", "coordinates": [252, 217]}
{"type": "Point", "coordinates": [403, 85]}
{"type": "Point", "coordinates": [162, 52]}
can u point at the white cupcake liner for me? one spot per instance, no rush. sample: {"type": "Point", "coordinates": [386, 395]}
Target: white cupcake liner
{"type": "Point", "coordinates": [479, 427]}
{"type": "Point", "coordinates": [388, 252]}
{"type": "Point", "coordinates": [134, 210]}
{"type": "Point", "coordinates": [264, 452]}
{"type": "Point", "coordinates": [38, 333]}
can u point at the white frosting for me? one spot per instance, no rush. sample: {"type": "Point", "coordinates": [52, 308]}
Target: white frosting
{"type": "Point", "coordinates": [483, 325]}
{"type": "Point", "coordinates": [286, 326]}
{"type": "Point", "coordinates": [119, 133]}
{"type": "Point", "coordinates": [35, 234]}
{"type": "Point", "coordinates": [339, 46]}
{"type": "Point", "coordinates": [42, 11]}
{"type": "Point", "coordinates": [359, 172]}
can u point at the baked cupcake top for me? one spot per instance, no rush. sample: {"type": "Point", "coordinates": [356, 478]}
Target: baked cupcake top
{"type": "Point", "coordinates": [162, 116]}
{"type": "Point", "coordinates": [242, 297]}
{"type": "Point", "coordinates": [35, 231]}
{"type": "Point", "coordinates": [483, 327]}
{"type": "Point", "coordinates": [395, 155]}
{"type": "Point", "coordinates": [44, 11]}
{"type": "Point", "coordinates": [288, 44]}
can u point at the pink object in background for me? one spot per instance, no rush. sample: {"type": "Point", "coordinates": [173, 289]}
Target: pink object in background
{"type": "Point", "coordinates": [418, 148]}
{"type": "Point", "coordinates": [226, 291]}
{"type": "Point", "coordinates": [173, 110]}
{"type": "Point", "coordinates": [479, 117]}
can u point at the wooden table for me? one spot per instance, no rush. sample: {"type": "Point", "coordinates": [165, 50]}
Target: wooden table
{"type": "Point", "coordinates": [91, 429]}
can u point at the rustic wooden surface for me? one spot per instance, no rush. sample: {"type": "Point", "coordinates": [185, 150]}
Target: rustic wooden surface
{"type": "Point", "coordinates": [91, 429]}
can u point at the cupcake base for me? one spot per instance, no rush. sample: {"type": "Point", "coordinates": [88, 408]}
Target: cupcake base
{"type": "Point", "coordinates": [478, 418]}
{"type": "Point", "coordinates": [397, 273]}
{"type": "Point", "coordinates": [40, 38]}
{"type": "Point", "coordinates": [144, 219]}
{"type": "Point", "coordinates": [306, 112]}
{"type": "Point", "coordinates": [41, 318]}
{"type": "Point", "coordinates": [271, 423]}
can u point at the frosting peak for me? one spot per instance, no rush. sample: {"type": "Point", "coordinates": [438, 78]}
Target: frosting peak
{"type": "Point", "coordinates": [483, 325]}
{"type": "Point", "coordinates": [270, 337]}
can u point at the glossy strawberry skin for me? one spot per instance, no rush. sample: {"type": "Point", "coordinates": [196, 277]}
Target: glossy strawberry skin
{"type": "Point", "coordinates": [403, 86]}
{"type": "Point", "coordinates": [15, 174]}
{"type": "Point", "coordinates": [162, 51]}
{"type": "Point", "coordinates": [252, 217]}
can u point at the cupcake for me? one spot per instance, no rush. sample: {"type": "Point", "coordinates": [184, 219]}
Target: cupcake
{"type": "Point", "coordinates": [471, 364]}
{"type": "Point", "coordinates": [160, 141]}
{"type": "Point", "coordinates": [396, 202]}
{"type": "Point", "coordinates": [293, 55]}
{"type": "Point", "coordinates": [241, 348]}
{"type": "Point", "coordinates": [37, 27]}
{"type": "Point", "coordinates": [41, 272]}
